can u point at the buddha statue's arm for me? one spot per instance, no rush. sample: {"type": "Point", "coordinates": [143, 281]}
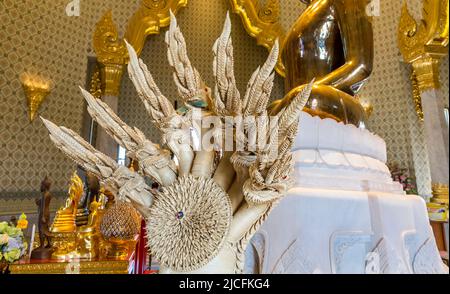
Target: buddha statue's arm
{"type": "Point", "coordinates": [357, 39]}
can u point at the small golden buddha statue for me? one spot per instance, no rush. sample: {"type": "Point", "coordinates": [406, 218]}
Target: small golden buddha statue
{"type": "Point", "coordinates": [88, 236]}
{"type": "Point", "coordinates": [64, 221]}
{"type": "Point", "coordinates": [331, 42]}
{"type": "Point", "coordinates": [64, 225]}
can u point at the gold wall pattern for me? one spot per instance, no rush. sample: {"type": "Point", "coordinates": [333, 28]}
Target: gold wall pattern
{"type": "Point", "coordinates": [39, 36]}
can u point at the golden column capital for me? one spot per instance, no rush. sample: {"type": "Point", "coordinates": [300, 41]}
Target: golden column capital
{"type": "Point", "coordinates": [440, 194]}
{"type": "Point", "coordinates": [426, 69]}
{"type": "Point", "coordinates": [111, 54]}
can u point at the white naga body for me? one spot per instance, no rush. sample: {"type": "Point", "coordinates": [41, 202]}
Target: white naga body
{"type": "Point", "coordinates": [209, 206]}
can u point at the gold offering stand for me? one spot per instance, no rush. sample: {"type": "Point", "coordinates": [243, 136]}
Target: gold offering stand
{"type": "Point", "coordinates": [88, 249]}
{"type": "Point", "coordinates": [77, 266]}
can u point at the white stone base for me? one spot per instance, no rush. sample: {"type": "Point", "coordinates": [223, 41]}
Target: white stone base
{"type": "Point", "coordinates": [345, 214]}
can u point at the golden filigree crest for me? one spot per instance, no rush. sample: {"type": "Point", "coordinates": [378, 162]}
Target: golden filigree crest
{"type": "Point", "coordinates": [429, 36]}
{"type": "Point", "coordinates": [110, 48]}
{"type": "Point", "coordinates": [111, 54]}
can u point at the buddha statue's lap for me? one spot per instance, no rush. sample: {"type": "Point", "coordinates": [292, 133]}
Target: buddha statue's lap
{"type": "Point", "coordinates": [327, 102]}
{"type": "Point", "coordinates": [331, 42]}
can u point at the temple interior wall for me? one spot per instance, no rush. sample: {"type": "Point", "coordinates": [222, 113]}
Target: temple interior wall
{"type": "Point", "coordinates": [37, 36]}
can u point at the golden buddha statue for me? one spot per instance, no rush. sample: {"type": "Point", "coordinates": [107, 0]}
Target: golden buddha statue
{"type": "Point", "coordinates": [64, 221]}
{"type": "Point", "coordinates": [331, 42]}
{"type": "Point", "coordinates": [88, 236]}
{"type": "Point", "coordinates": [64, 225]}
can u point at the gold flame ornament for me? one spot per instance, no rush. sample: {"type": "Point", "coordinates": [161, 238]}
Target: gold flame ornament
{"type": "Point", "coordinates": [36, 90]}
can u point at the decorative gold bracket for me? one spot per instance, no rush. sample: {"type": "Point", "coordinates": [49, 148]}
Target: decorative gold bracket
{"type": "Point", "coordinates": [262, 22]}
{"type": "Point", "coordinates": [149, 18]}
{"type": "Point", "coordinates": [423, 45]}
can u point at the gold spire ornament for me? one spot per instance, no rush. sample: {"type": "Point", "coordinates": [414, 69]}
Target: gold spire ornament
{"type": "Point", "coordinates": [36, 91]}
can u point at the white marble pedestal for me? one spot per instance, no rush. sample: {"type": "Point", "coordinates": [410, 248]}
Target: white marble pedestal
{"type": "Point", "coordinates": [345, 214]}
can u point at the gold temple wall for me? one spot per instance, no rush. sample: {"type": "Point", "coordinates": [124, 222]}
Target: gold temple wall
{"type": "Point", "coordinates": [39, 36]}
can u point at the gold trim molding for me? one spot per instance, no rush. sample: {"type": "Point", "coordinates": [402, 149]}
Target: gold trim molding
{"type": "Point", "coordinates": [262, 22]}
{"type": "Point", "coordinates": [85, 267]}
{"type": "Point", "coordinates": [423, 45]}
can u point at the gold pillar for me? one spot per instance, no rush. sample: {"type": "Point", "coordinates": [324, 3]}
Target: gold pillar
{"type": "Point", "coordinates": [423, 45]}
{"type": "Point", "coordinates": [112, 55]}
